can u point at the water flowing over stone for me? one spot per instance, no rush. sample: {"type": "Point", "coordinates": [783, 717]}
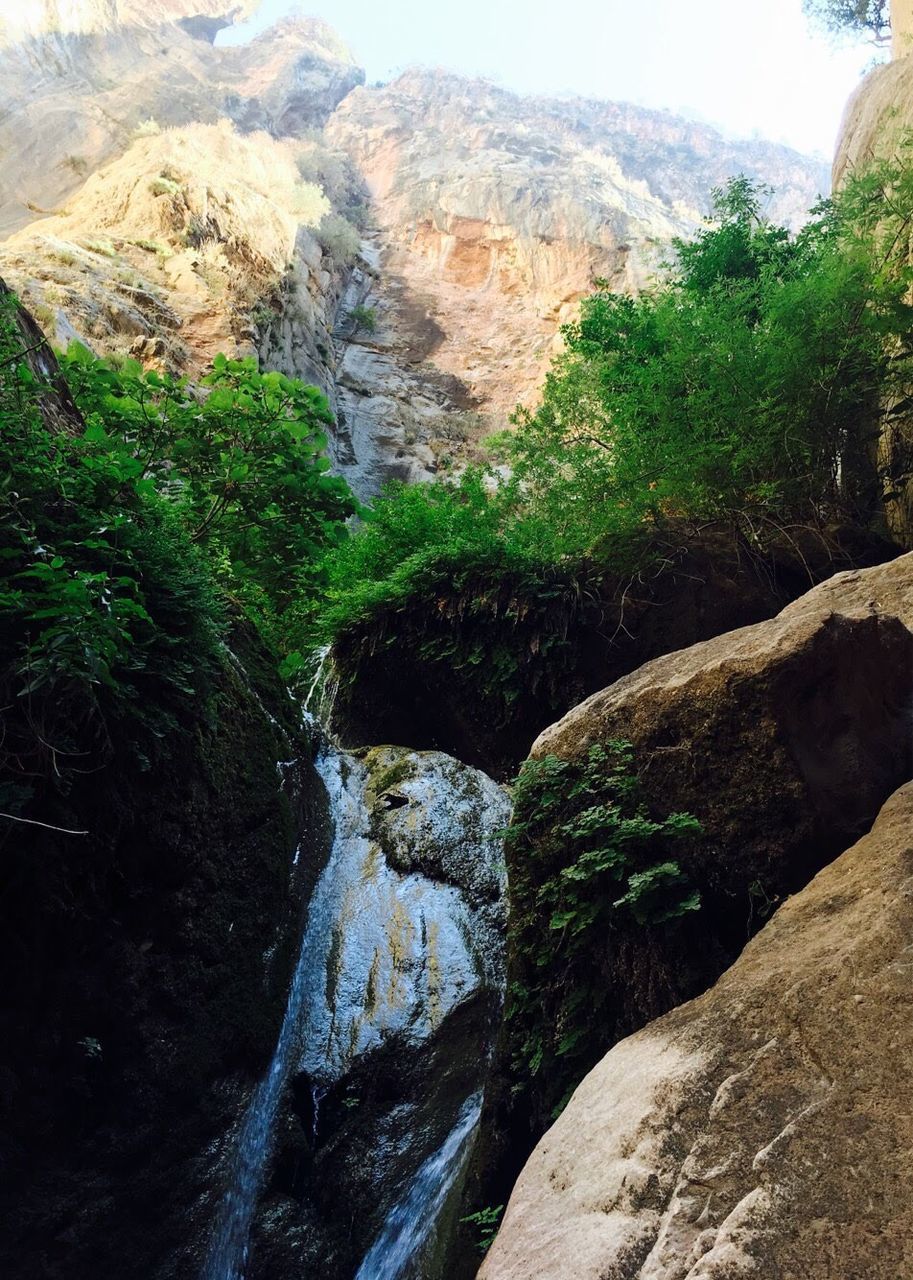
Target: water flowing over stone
{"type": "Point", "coordinates": [411, 1222]}
{"type": "Point", "coordinates": [404, 931]}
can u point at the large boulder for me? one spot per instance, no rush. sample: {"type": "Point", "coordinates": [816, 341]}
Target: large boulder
{"type": "Point", "coordinates": [763, 1130]}
{"type": "Point", "coordinates": [783, 739]}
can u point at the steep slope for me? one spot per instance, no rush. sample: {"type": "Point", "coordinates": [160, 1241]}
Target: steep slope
{"type": "Point", "coordinates": [762, 1130]}
{"type": "Point", "coordinates": [876, 127]}
{"type": "Point", "coordinates": [73, 95]}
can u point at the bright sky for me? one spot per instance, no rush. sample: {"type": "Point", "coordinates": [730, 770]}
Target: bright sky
{"type": "Point", "coordinates": [744, 65]}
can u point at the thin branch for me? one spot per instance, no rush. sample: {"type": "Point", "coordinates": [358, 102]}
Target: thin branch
{"type": "Point", "coordinates": [49, 826]}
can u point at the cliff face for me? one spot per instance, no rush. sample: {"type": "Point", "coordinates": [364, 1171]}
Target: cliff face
{"type": "Point", "coordinates": [74, 95]}
{"type": "Point", "coordinates": [483, 216]}
{"type": "Point", "coordinates": [36, 19]}
{"type": "Point", "coordinates": [497, 213]}
{"type": "Point", "coordinates": [877, 117]}
{"type": "Point", "coordinates": [761, 1130]}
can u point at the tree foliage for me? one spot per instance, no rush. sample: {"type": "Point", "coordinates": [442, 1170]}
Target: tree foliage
{"type": "Point", "coordinates": [870, 19]}
{"type": "Point", "coordinates": [240, 456]}
{"type": "Point", "coordinates": [745, 386]}
{"type": "Point", "coordinates": [119, 542]}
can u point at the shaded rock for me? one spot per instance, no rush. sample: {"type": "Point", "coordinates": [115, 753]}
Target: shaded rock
{"type": "Point", "coordinates": [763, 1129]}
{"type": "Point", "coordinates": [480, 671]}
{"type": "Point", "coordinates": [783, 739]}
{"type": "Point", "coordinates": [146, 969]}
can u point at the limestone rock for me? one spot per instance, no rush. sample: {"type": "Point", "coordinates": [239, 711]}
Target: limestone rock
{"type": "Point", "coordinates": [37, 18]}
{"type": "Point", "coordinates": [762, 1130]}
{"type": "Point", "coordinates": [877, 117]}
{"type": "Point", "coordinates": [72, 102]}
{"type": "Point", "coordinates": [497, 212]}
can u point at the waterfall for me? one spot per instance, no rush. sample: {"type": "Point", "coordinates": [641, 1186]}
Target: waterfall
{"type": "Point", "coordinates": [405, 923]}
{"type": "Point", "coordinates": [412, 1220]}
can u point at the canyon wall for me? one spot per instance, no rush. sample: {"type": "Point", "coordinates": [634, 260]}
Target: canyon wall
{"type": "Point", "coordinates": [473, 219]}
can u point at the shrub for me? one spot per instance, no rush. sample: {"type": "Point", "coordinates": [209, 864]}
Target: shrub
{"type": "Point", "coordinates": [588, 860]}
{"type": "Point", "coordinates": [364, 318]}
{"type": "Point", "coordinates": [339, 238]}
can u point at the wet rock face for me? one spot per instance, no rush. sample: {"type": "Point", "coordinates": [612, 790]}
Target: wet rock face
{"type": "Point", "coordinates": [148, 967]}
{"type": "Point", "coordinates": [761, 1130]}
{"type": "Point", "coordinates": [404, 954]}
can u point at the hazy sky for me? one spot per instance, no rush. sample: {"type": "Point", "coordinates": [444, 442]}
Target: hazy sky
{"type": "Point", "coordinates": [745, 65]}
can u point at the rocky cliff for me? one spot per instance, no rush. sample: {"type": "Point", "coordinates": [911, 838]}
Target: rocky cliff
{"type": "Point", "coordinates": [775, 739]}
{"type": "Point", "coordinates": [876, 127]}
{"type": "Point", "coordinates": [482, 217]}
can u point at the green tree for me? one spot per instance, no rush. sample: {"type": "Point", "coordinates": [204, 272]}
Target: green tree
{"type": "Point", "coordinates": [241, 456]}
{"type": "Point", "coordinates": [870, 19]}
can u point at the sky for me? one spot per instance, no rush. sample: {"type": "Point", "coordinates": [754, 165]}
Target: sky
{"type": "Point", "coordinates": [747, 66]}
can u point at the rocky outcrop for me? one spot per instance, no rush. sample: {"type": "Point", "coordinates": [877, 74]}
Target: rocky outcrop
{"type": "Point", "coordinates": [488, 215]}
{"type": "Point", "coordinates": [763, 1129]}
{"type": "Point", "coordinates": [497, 213]}
{"type": "Point", "coordinates": [72, 102]}
{"type": "Point", "coordinates": [878, 117]}
{"type": "Point", "coordinates": [403, 966]}
{"type": "Point", "coordinates": [188, 244]}
{"type": "Point", "coordinates": [783, 739]}
{"type": "Point", "coordinates": [480, 672]}
{"type": "Point", "coordinates": [37, 19]}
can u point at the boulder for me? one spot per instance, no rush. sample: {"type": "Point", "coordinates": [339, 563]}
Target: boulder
{"type": "Point", "coordinates": [763, 1130]}
{"type": "Point", "coordinates": [783, 739]}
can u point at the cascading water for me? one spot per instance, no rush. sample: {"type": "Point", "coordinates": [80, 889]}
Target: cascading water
{"type": "Point", "coordinates": [412, 1219]}
{"type": "Point", "coordinates": [405, 925]}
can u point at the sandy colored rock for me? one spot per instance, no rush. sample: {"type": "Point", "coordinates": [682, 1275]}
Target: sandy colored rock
{"type": "Point", "coordinates": [901, 28]}
{"type": "Point", "coordinates": [778, 732]}
{"type": "Point", "coordinates": [497, 212]}
{"type": "Point", "coordinates": [763, 1130]}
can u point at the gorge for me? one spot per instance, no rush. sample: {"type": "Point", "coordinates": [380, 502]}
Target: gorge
{"type": "Point", "coordinates": [529, 839]}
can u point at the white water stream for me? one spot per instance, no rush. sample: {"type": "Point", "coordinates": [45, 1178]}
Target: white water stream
{"type": "Point", "coordinates": [385, 951]}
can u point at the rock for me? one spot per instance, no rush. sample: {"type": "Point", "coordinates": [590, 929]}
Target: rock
{"type": "Point", "coordinates": [413, 673]}
{"type": "Point", "coordinates": [779, 730]}
{"type": "Point", "coordinates": [761, 1130]}
{"type": "Point", "coordinates": [496, 212]}
{"type": "Point", "coordinates": [72, 102]}
{"type": "Point", "coordinates": [878, 117]}
{"type": "Point", "coordinates": [489, 215]}
{"type": "Point", "coordinates": [404, 969]}
{"type": "Point", "coordinates": [783, 739]}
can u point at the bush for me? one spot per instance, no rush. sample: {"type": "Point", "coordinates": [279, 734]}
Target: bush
{"type": "Point", "coordinates": [108, 612]}
{"type": "Point", "coordinates": [588, 859]}
{"type": "Point", "coordinates": [240, 458]}
{"type": "Point", "coordinates": [339, 238]}
{"type": "Point", "coordinates": [364, 318]}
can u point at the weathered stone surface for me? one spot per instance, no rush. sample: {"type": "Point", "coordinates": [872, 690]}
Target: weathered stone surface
{"type": "Point", "coordinates": [497, 212]}
{"type": "Point", "coordinates": [763, 1130]}
{"type": "Point", "coordinates": [877, 117]}
{"type": "Point", "coordinates": [783, 739]}
{"type": "Point", "coordinates": [71, 102]}
{"type": "Point", "coordinates": [777, 728]}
